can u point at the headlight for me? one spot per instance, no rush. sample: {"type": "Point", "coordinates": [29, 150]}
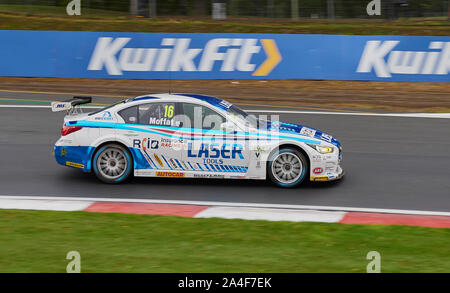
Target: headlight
{"type": "Point", "coordinates": [322, 149]}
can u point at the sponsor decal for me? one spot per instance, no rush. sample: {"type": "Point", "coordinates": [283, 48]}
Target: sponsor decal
{"type": "Point", "coordinates": [225, 104]}
{"type": "Point", "coordinates": [63, 152]}
{"type": "Point", "coordinates": [318, 171]}
{"type": "Point", "coordinates": [214, 150]}
{"type": "Point", "coordinates": [175, 54]}
{"type": "Point", "coordinates": [146, 143]}
{"type": "Point", "coordinates": [64, 140]}
{"type": "Point", "coordinates": [177, 143]}
{"type": "Point", "coordinates": [76, 165]}
{"type": "Point", "coordinates": [57, 106]}
{"type": "Point", "coordinates": [170, 174]}
{"type": "Point", "coordinates": [158, 160]}
{"type": "Point", "coordinates": [331, 176]}
{"type": "Point", "coordinates": [106, 117]}
{"type": "Point", "coordinates": [144, 172]}
{"type": "Point", "coordinates": [307, 131]}
{"type": "Point", "coordinates": [326, 137]}
{"type": "Point", "coordinates": [154, 144]}
{"type": "Point", "coordinates": [319, 178]}
{"type": "Point", "coordinates": [384, 61]}
{"type": "Point", "coordinates": [317, 158]}
{"type": "Point", "coordinates": [212, 161]}
{"type": "Point", "coordinates": [209, 176]}
{"type": "Point", "coordinates": [258, 151]}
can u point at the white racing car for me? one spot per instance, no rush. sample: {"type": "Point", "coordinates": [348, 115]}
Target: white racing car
{"type": "Point", "coordinates": [187, 135]}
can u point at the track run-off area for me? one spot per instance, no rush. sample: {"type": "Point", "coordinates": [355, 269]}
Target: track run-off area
{"type": "Point", "coordinates": [392, 161]}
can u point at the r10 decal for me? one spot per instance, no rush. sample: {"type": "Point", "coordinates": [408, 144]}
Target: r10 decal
{"type": "Point", "coordinates": [145, 144]}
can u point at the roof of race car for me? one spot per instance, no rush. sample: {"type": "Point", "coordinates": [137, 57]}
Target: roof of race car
{"type": "Point", "coordinates": [216, 102]}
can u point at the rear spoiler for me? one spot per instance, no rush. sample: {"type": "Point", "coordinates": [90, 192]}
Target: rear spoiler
{"type": "Point", "coordinates": [70, 105]}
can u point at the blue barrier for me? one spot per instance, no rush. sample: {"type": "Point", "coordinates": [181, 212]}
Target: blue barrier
{"type": "Point", "coordinates": [223, 56]}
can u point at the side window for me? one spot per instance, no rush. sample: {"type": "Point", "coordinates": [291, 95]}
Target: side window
{"type": "Point", "coordinates": [129, 115]}
{"type": "Point", "coordinates": [203, 117]}
{"type": "Point", "coordinates": [163, 114]}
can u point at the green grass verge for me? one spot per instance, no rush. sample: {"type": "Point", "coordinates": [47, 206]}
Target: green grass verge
{"type": "Point", "coordinates": [38, 241]}
{"type": "Point", "coordinates": [57, 11]}
{"type": "Point", "coordinates": [19, 17]}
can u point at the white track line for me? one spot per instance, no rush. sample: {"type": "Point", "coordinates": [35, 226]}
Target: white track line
{"type": "Point", "coordinates": [235, 204]}
{"type": "Point", "coordinates": [271, 214]}
{"type": "Point", "coordinates": [23, 106]}
{"type": "Point", "coordinates": [404, 115]}
{"type": "Point", "coordinates": [401, 115]}
{"type": "Point", "coordinates": [36, 204]}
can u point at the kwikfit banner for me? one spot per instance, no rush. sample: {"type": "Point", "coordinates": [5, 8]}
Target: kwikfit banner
{"type": "Point", "coordinates": [223, 56]}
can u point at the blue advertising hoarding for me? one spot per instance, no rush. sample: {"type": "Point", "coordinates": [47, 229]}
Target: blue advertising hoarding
{"type": "Point", "coordinates": [223, 56]}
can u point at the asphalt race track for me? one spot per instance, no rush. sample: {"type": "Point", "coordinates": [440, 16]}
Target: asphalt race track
{"type": "Point", "coordinates": [390, 163]}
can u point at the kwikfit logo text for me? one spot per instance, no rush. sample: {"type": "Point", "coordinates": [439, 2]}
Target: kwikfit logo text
{"type": "Point", "coordinates": [435, 61]}
{"type": "Point", "coordinates": [175, 54]}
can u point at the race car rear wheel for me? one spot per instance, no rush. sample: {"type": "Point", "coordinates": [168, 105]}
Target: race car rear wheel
{"type": "Point", "coordinates": [112, 163]}
{"type": "Point", "coordinates": [287, 167]}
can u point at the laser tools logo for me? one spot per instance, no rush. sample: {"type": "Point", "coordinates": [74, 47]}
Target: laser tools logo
{"type": "Point", "coordinates": [175, 54]}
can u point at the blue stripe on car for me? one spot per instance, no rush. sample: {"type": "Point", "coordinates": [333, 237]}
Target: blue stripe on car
{"type": "Point", "coordinates": [126, 126]}
{"type": "Point", "coordinates": [167, 162]}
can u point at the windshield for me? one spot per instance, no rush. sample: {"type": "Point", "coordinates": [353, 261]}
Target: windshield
{"type": "Point", "coordinates": [242, 116]}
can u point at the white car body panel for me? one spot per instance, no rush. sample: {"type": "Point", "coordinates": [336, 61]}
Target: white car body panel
{"type": "Point", "coordinates": [167, 151]}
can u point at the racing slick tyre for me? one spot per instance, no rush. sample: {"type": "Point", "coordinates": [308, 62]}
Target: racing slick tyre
{"type": "Point", "coordinates": [112, 163]}
{"type": "Point", "coordinates": [287, 167]}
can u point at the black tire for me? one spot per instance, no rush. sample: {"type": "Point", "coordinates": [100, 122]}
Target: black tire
{"type": "Point", "coordinates": [112, 163]}
{"type": "Point", "coordinates": [276, 169]}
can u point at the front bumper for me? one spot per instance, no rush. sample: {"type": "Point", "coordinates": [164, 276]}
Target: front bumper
{"type": "Point", "coordinates": [329, 176]}
{"type": "Point", "coordinates": [327, 167]}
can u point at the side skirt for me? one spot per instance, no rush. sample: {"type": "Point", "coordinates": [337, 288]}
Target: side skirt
{"type": "Point", "coordinates": [191, 174]}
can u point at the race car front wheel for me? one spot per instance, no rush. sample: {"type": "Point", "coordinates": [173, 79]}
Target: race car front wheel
{"type": "Point", "coordinates": [112, 163]}
{"type": "Point", "coordinates": [287, 167]}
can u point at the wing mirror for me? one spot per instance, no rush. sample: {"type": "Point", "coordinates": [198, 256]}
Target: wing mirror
{"type": "Point", "coordinates": [228, 127]}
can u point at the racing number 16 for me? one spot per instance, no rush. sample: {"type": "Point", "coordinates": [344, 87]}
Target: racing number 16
{"type": "Point", "coordinates": [168, 111]}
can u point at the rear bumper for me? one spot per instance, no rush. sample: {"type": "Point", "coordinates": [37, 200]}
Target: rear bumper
{"type": "Point", "coordinates": [74, 156]}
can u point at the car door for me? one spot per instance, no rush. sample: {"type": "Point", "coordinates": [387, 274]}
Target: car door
{"type": "Point", "coordinates": [152, 136]}
{"type": "Point", "coordinates": [160, 139]}
{"type": "Point", "coordinates": [209, 149]}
